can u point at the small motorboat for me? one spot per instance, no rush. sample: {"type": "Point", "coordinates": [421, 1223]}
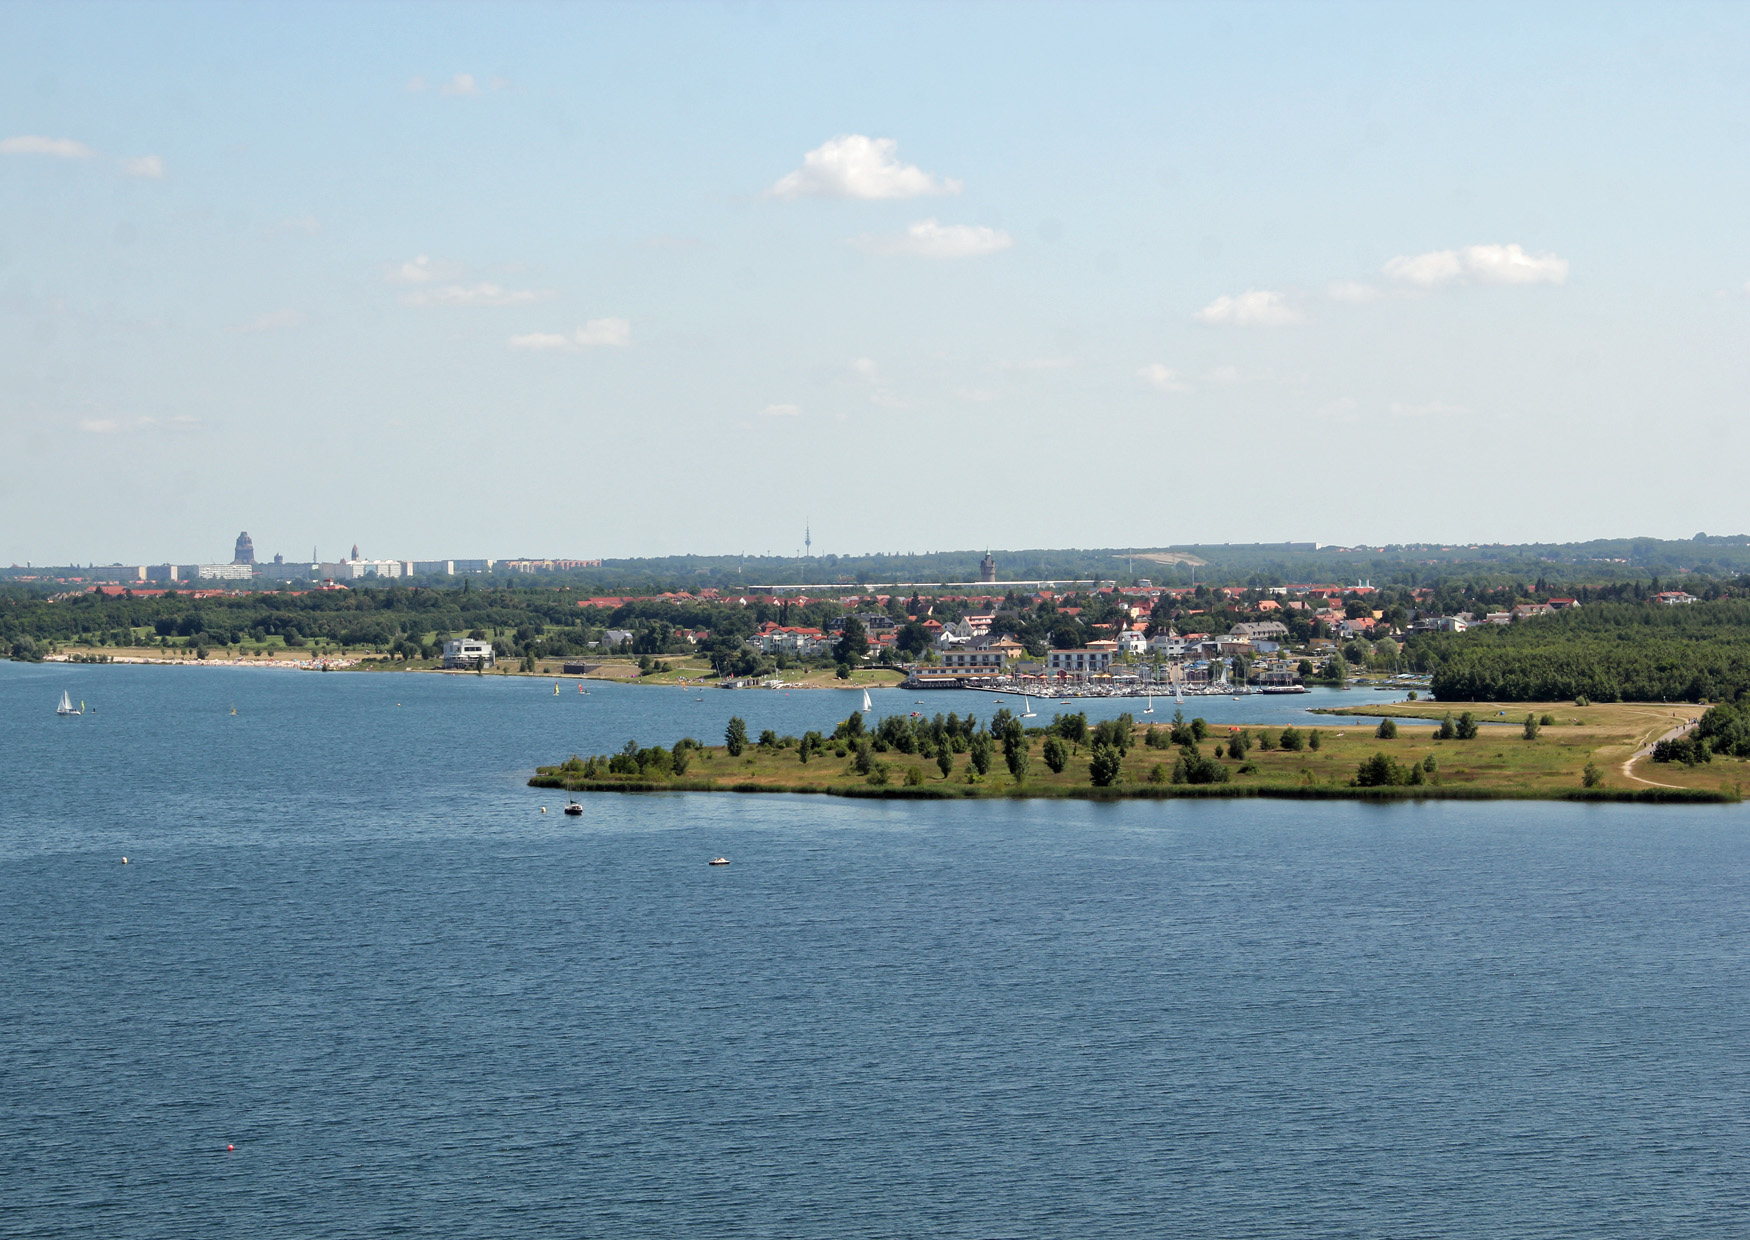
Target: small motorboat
{"type": "Point", "coordinates": [574, 809]}
{"type": "Point", "coordinates": [718, 861]}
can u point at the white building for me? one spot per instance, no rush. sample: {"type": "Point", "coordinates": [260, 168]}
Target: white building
{"type": "Point", "coordinates": [1084, 661]}
{"type": "Point", "coordinates": [467, 652]}
{"type": "Point", "coordinates": [358, 570]}
{"type": "Point", "coordinates": [226, 572]}
{"type": "Point", "coordinates": [982, 662]}
{"type": "Point", "coordinates": [1131, 641]}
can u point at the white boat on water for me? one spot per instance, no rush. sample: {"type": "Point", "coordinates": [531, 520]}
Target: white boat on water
{"type": "Point", "coordinates": [1027, 711]}
{"type": "Point", "coordinates": [66, 706]}
{"type": "Point", "coordinates": [867, 704]}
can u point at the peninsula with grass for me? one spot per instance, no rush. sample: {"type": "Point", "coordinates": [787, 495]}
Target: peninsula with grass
{"type": "Point", "coordinates": [1585, 754]}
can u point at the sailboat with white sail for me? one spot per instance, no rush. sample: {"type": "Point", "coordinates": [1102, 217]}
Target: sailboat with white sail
{"type": "Point", "coordinates": [66, 706]}
{"type": "Point", "coordinates": [1027, 711]}
{"type": "Point", "coordinates": [867, 704]}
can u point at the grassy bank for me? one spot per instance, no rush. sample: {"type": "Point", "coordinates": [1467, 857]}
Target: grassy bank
{"type": "Point", "coordinates": [1498, 764]}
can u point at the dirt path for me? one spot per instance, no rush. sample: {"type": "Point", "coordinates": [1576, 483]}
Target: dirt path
{"type": "Point", "coordinates": [1647, 748]}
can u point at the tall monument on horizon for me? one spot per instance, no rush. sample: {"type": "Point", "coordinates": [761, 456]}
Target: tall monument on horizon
{"type": "Point", "coordinates": [987, 568]}
{"type": "Point", "coordinates": [245, 552]}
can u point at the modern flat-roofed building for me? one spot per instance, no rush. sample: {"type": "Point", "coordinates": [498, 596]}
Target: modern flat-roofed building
{"type": "Point", "coordinates": [1084, 661]}
{"type": "Point", "coordinates": [225, 572]}
{"type": "Point", "coordinates": [467, 652]}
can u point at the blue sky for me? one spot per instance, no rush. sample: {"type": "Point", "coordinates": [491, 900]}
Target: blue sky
{"type": "Point", "coordinates": [661, 278]}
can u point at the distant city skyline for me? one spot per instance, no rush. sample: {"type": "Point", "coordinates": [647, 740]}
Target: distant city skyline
{"type": "Point", "coordinates": [630, 280]}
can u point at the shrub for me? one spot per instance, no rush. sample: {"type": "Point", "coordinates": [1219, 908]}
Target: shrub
{"type": "Point", "coordinates": [1154, 738]}
{"type": "Point", "coordinates": [980, 753]}
{"type": "Point", "coordinates": [1015, 754]}
{"type": "Point", "coordinates": [768, 739]}
{"type": "Point", "coordinates": [1056, 754]}
{"type": "Point", "coordinates": [1467, 727]}
{"type": "Point", "coordinates": [1199, 729]}
{"type": "Point", "coordinates": [1115, 733]}
{"type": "Point", "coordinates": [1239, 742]}
{"type": "Point", "coordinates": [1312, 738]}
{"type": "Point", "coordinates": [1248, 767]}
{"type": "Point", "coordinates": [1583, 700]}
{"type": "Point", "coordinates": [1591, 777]}
{"type": "Point", "coordinates": [1291, 740]}
{"type": "Point", "coordinates": [1531, 727]}
{"type": "Point", "coordinates": [1429, 765]}
{"type": "Point", "coordinates": [1547, 721]}
{"type": "Point", "coordinates": [914, 777]}
{"type": "Point", "coordinates": [1266, 739]}
{"type": "Point", "coordinates": [878, 774]}
{"type": "Point", "coordinates": [735, 736]}
{"type": "Point", "coordinates": [1412, 695]}
{"type": "Point", "coordinates": [945, 761]}
{"type": "Point", "coordinates": [1387, 730]}
{"type": "Point", "coordinates": [1157, 774]}
{"type": "Point", "coordinates": [1380, 771]}
{"type": "Point", "coordinates": [1447, 730]}
{"type": "Point", "coordinates": [1104, 766]}
{"type": "Point", "coordinates": [861, 762]}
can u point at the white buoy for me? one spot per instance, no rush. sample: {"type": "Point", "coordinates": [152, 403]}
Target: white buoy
{"type": "Point", "coordinates": [543, 809]}
{"type": "Point", "coordinates": [124, 860]}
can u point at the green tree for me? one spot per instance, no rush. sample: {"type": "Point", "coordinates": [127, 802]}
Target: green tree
{"type": "Point", "coordinates": [1531, 728]}
{"type": "Point", "coordinates": [853, 643]}
{"type": "Point", "coordinates": [1467, 727]}
{"type": "Point", "coordinates": [1056, 754]}
{"type": "Point", "coordinates": [980, 751]}
{"type": "Point", "coordinates": [1591, 777]}
{"type": "Point", "coordinates": [1104, 765]}
{"type": "Point", "coordinates": [1387, 729]}
{"type": "Point", "coordinates": [1447, 729]}
{"type": "Point", "coordinates": [945, 760]}
{"type": "Point", "coordinates": [1312, 739]}
{"type": "Point", "coordinates": [735, 736]}
{"type": "Point", "coordinates": [1015, 752]}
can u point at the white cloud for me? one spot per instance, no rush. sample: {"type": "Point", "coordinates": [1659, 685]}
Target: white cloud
{"type": "Point", "coordinates": [1508, 264]}
{"type": "Point", "coordinates": [148, 166]}
{"type": "Point", "coordinates": [1432, 409]}
{"type": "Point", "coordinates": [112, 426]}
{"type": "Point", "coordinates": [461, 84]}
{"type": "Point", "coordinates": [866, 367]}
{"type": "Point", "coordinates": [930, 239]}
{"type": "Point", "coordinates": [1163, 379]}
{"type": "Point", "coordinates": [595, 334]}
{"type": "Point", "coordinates": [421, 270]}
{"type": "Point", "coordinates": [31, 144]}
{"type": "Point", "coordinates": [542, 340]}
{"type": "Point", "coordinates": [781, 411]}
{"type": "Point", "coordinates": [1350, 290]}
{"type": "Point", "coordinates": [609, 333]}
{"type": "Point", "coordinates": [273, 320]}
{"type": "Point", "coordinates": [853, 166]}
{"type": "Point", "coordinates": [1483, 264]}
{"type": "Point", "coordinates": [476, 295]}
{"type": "Point", "coordinates": [1255, 308]}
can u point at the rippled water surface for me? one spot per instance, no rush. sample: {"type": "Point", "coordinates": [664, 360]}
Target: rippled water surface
{"type": "Point", "coordinates": [349, 944]}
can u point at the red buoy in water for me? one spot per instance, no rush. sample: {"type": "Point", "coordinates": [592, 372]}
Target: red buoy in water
{"type": "Point", "coordinates": [230, 1147]}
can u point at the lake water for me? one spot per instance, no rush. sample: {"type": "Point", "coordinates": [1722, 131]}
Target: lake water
{"type": "Point", "coordinates": [348, 943]}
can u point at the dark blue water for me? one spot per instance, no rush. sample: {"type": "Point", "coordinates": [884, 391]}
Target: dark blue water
{"type": "Point", "coordinates": [348, 943]}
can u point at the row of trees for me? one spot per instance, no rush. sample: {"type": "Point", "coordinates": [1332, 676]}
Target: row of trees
{"type": "Point", "coordinates": [1607, 652]}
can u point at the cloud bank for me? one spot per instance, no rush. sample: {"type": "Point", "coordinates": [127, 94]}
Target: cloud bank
{"type": "Point", "coordinates": [1255, 308]}
{"type": "Point", "coordinates": [57, 148]}
{"type": "Point", "coordinates": [1479, 264]}
{"type": "Point", "coordinates": [854, 166]}
{"type": "Point", "coordinates": [476, 295]}
{"type": "Point", "coordinates": [932, 239]}
{"type": "Point", "coordinates": [595, 334]}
